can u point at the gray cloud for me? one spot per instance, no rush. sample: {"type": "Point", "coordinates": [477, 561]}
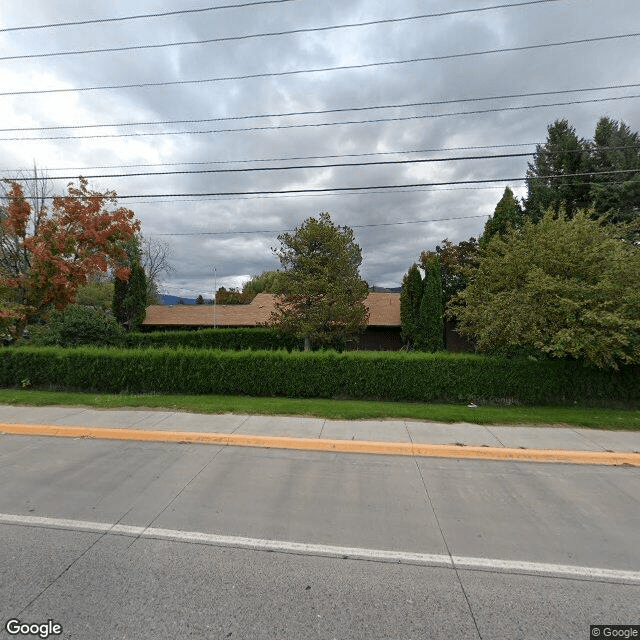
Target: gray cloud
{"type": "Point", "coordinates": [388, 251]}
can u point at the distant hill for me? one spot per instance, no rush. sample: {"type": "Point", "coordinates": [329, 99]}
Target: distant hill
{"type": "Point", "coordinates": [168, 300]}
{"type": "Point", "coordinates": [376, 289]}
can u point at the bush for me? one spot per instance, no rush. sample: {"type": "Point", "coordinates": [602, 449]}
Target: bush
{"type": "Point", "coordinates": [233, 339]}
{"type": "Point", "coordinates": [77, 325]}
{"type": "Point", "coordinates": [326, 374]}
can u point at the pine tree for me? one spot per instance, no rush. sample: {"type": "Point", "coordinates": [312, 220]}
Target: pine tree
{"type": "Point", "coordinates": [430, 334]}
{"type": "Point", "coordinates": [558, 175]}
{"type": "Point", "coordinates": [615, 148]}
{"type": "Point", "coordinates": [410, 299]}
{"type": "Point", "coordinates": [321, 292]}
{"type": "Point", "coordinates": [507, 214]}
{"type": "Point", "coordinates": [130, 295]}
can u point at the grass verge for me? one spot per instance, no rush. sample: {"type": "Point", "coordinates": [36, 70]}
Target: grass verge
{"type": "Point", "coordinates": [611, 419]}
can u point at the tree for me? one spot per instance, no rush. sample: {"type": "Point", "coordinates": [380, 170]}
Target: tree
{"type": "Point", "coordinates": [430, 330]}
{"type": "Point", "coordinates": [232, 296]}
{"type": "Point", "coordinates": [507, 214]}
{"type": "Point", "coordinates": [265, 282]}
{"type": "Point", "coordinates": [559, 173]}
{"type": "Point", "coordinates": [96, 294]}
{"type": "Point", "coordinates": [130, 294]}
{"type": "Point", "coordinates": [410, 299]}
{"type": "Point", "coordinates": [615, 149]}
{"type": "Point", "coordinates": [457, 261]}
{"type": "Point", "coordinates": [200, 299]}
{"type": "Point", "coordinates": [565, 287]}
{"type": "Point", "coordinates": [322, 293]}
{"type": "Point", "coordinates": [155, 257]}
{"type": "Point", "coordinates": [46, 255]}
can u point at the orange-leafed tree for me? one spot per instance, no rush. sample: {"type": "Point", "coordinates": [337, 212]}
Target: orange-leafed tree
{"type": "Point", "coordinates": [45, 255]}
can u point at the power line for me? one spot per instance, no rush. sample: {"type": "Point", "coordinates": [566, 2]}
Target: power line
{"type": "Point", "coordinates": [305, 166]}
{"type": "Point", "coordinates": [319, 124]}
{"type": "Point", "coordinates": [269, 34]}
{"type": "Point", "coordinates": [324, 111]}
{"type": "Point", "coordinates": [296, 158]}
{"type": "Point", "coordinates": [316, 195]}
{"type": "Point", "coordinates": [380, 187]}
{"type": "Point", "coordinates": [369, 65]}
{"type": "Point", "coordinates": [142, 16]}
{"type": "Point", "coordinates": [284, 159]}
{"type": "Point", "coordinates": [292, 158]}
{"type": "Point", "coordinates": [353, 226]}
{"type": "Point", "coordinates": [493, 187]}
{"type": "Point", "coordinates": [370, 187]}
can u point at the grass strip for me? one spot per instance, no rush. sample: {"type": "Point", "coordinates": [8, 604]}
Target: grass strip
{"type": "Point", "coordinates": [611, 419]}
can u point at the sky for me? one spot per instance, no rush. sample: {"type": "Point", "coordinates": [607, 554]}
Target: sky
{"type": "Point", "coordinates": [432, 82]}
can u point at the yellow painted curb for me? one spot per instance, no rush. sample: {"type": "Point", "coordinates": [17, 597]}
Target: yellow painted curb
{"type": "Point", "coordinates": [341, 446]}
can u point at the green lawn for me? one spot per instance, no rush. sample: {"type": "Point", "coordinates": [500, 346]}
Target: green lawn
{"type": "Point", "coordinates": [337, 409]}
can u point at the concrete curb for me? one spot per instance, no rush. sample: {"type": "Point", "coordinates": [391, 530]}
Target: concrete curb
{"type": "Point", "coordinates": [336, 446]}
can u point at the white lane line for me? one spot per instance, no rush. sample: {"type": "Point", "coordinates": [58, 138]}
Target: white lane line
{"type": "Point", "coordinates": [352, 553]}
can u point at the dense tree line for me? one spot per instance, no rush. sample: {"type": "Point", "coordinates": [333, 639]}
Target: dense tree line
{"type": "Point", "coordinates": [558, 274]}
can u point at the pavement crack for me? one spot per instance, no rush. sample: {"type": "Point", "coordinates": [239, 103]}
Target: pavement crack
{"type": "Point", "coordinates": [73, 563]}
{"type": "Point", "coordinates": [446, 545]}
{"type": "Point", "coordinates": [178, 494]}
{"type": "Point", "coordinates": [241, 424]}
{"type": "Point", "coordinates": [406, 426]}
{"type": "Point", "coordinates": [581, 435]}
{"type": "Point", "coordinates": [494, 435]}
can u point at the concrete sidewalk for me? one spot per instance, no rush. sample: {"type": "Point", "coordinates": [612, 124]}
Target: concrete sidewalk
{"type": "Point", "coordinates": [317, 433]}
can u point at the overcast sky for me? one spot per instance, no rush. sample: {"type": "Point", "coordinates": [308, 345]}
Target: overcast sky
{"type": "Point", "coordinates": [384, 221]}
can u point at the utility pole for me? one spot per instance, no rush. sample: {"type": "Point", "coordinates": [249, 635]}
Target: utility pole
{"type": "Point", "coordinates": [215, 292]}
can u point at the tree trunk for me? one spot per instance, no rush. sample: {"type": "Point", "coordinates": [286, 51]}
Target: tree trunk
{"type": "Point", "coordinates": [307, 343]}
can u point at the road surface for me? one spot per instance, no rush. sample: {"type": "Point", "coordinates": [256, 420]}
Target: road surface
{"type": "Point", "coordinates": [122, 539]}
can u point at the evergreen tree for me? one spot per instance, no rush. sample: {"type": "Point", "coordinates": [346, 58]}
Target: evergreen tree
{"type": "Point", "coordinates": [430, 334]}
{"type": "Point", "coordinates": [321, 292]}
{"type": "Point", "coordinates": [130, 295]}
{"type": "Point", "coordinates": [558, 175]}
{"type": "Point", "coordinates": [200, 299]}
{"type": "Point", "coordinates": [615, 148]}
{"type": "Point", "coordinates": [410, 299]}
{"type": "Point", "coordinates": [507, 214]}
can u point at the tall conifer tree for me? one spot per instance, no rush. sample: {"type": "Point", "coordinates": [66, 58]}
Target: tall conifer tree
{"type": "Point", "coordinates": [410, 299]}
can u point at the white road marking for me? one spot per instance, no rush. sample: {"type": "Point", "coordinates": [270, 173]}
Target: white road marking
{"type": "Point", "coordinates": [352, 553]}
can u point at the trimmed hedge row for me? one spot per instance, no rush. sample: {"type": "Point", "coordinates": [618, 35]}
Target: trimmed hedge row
{"type": "Point", "coordinates": [387, 376]}
{"type": "Point", "coordinates": [234, 339]}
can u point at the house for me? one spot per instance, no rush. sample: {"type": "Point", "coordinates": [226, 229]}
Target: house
{"type": "Point", "coordinates": [382, 332]}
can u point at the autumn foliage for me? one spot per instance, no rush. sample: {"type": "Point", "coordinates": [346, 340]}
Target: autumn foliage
{"type": "Point", "coordinates": [46, 255]}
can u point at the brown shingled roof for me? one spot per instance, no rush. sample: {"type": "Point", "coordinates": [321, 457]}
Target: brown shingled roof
{"type": "Point", "coordinates": [384, 311]}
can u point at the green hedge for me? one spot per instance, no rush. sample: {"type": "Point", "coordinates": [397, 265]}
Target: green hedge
{"type": "Point", "coordinates": [388, 376]}
{"type": "Point", "coordinates": [234, 339]}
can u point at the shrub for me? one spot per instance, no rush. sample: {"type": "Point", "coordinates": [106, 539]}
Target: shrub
{"type": "Point", "coordinates": [77, 325]}
{"type": "Point", "coordinates": [326, 374]}
{"type": "Point", "coordinates": [233, 339]}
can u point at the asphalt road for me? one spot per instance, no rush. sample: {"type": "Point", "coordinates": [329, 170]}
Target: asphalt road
{"type": "Point", "coordinates": [120, 539]}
